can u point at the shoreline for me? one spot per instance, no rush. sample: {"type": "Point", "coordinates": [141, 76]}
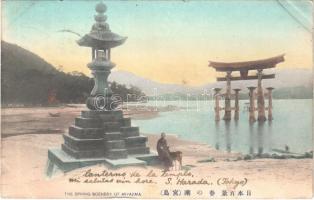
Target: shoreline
{"type": "Point", "coordinates": [30, 151]}
{"type": "Point", "coordinates": [266, 178]}
{"type": "Point", "coordinates": [27, 121]}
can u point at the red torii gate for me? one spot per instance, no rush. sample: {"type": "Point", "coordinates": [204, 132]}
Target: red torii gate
{"type": "Point", "coordinates": [244, 68]}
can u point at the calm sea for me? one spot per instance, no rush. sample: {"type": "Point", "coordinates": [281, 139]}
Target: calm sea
{"type": "Point", "coordinates": [292, 126]}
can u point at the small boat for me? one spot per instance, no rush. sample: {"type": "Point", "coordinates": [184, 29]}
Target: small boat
{"type": "Point", "coordinates": [54, 114]}
{"type": "Point", "coordinates": [285, 152]}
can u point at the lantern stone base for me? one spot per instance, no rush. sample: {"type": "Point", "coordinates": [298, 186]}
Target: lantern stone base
{"type": "Point", "coordinates": [100, 136]}
{"type": "Point", "coordinates": [60, 160]}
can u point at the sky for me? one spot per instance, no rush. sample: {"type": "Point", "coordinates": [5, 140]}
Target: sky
{"type": "Point", "coordinates": [168, 41]}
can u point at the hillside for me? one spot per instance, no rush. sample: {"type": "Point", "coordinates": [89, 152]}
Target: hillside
{"type": "Point", "coordinates": [29, 80]}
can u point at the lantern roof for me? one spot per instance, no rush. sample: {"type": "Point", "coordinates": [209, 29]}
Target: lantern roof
{"type": "Point", "coordinates": [100, 36]}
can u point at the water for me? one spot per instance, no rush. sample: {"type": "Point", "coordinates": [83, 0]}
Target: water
{"type": "Point", "coordinates": [292, 126]}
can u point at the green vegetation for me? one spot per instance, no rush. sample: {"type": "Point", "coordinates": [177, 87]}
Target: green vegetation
{"type": "Point", "coordinates": [29, 80]}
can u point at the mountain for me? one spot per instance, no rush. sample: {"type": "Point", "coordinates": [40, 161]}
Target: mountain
{"type": "Point", "coordinates": [149, 87]}
{"type": "Point", "coordinates": [285, 79]}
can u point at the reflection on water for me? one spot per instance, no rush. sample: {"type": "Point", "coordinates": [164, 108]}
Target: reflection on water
{"type": "Point", "coordinates": [258, 138]}
{"type": "Point", "coordinates": [239, 136]}
{"type": "Point", "coordinates": [228, 141]}
{"type": "Point", "coordinates": [217, 134]}
{"type": "Point", "coordinates": [251, 137]}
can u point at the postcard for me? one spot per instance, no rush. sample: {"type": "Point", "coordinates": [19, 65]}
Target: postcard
{"type": "Point", "coordinates": [157, 99]}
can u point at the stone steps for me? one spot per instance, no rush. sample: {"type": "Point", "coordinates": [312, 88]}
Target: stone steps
{"type": "Point", "coordinates": [138, 150]}
{"type": "Point", "coordinates": [86, 133]}
{"type": "Point", "coordinates": [104, 115]}
{"type": "Point", "coordinates": [117, 154]}
{"type": "Point", "coordinates": [103, 134]}
{"type": "Point", "coordinates": [135, 141]}
{"type": "Point", "coordinates": [83, 154]}
{"type": "Point", "coordinates": [130, 131]}
{"type": "Point", "coordinates": [115, 144]}
{"type": "Point", "coordinates": [83, 144]}
{"type": "Point", "coordinates": [133, 145]}
{"type": "Point", "coordinates": [112, 126]}
{"type": "Point", "coordinates": [88, 122]}
{"type": "Point", "coordinates": [125, 122]}
{"type": "Point", "coordinates": [113, 136]}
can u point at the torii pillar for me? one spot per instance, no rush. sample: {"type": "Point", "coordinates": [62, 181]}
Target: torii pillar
{"type": "Point", "coordinates": [217, 108]}
{"type": "Point", "coordinates": [236, 104]}
{"type": "Point", "coordinates": [270, 103]}
{"type": "Point", "coordinates": [227, 115]}
{"type": "Point", "coordinates": [260, 97]}
{"type": "Point", "coordinates": [252, 104]}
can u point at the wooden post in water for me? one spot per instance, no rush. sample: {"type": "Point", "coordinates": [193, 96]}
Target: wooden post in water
{"type": "Point", "coordinates": [228, 136]}
{"type": "Point", "coordinates": [260, 137]}
{"type": "Point", "coordinates": [236, 104]}
{"type": "Point", "coordinates": [270, 103]}
{"type": "Point", "coordinates": [252, 104]}
{"type": "Point", "coordinates": [217, 107]}
{"type": "Point", "coordinates": [227, 115]}
{"type": "Point", "coordinates": [260, 97]}
{"type": "Point", "coordinates": [217, 134]}
{"type": "Point", "coordinates": [251, 138]}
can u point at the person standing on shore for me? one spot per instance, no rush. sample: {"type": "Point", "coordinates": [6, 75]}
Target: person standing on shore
{"type": "Point", "coordinates": [163, 152]}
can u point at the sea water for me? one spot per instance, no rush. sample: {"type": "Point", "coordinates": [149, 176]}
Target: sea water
{"type": "Point", "coordinates": [195, 121]}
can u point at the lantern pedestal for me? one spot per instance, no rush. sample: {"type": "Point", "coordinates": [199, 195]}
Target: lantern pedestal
{"type": "Point", "coordinates": [101, 137]}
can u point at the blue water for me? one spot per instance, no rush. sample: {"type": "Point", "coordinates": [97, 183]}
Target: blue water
{"type": "Point", "coordinates": [292, 126]}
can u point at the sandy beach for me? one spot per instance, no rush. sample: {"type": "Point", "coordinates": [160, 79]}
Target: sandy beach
{"type": "Point", "coordinates": [28, 133]}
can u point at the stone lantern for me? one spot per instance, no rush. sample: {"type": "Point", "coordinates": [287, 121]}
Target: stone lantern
{"type": "Point", "coordinates": [101, 40]}
{"type": "Point", "coordinates": [101, 134]}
